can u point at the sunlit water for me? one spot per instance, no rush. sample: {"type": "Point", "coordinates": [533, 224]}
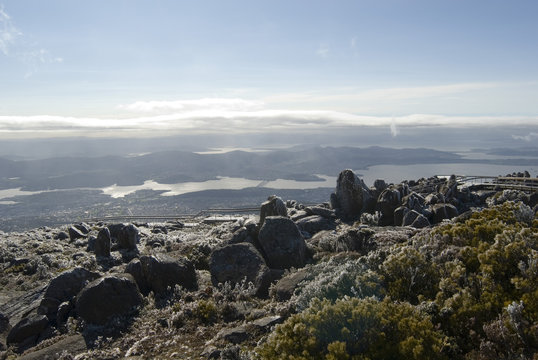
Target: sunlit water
{"type": "Point", "coordinates": [389, 173]}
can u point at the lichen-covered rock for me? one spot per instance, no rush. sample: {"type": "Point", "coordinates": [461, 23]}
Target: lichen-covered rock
{"type": "Point", "coordinates": [159, 272]}
{"type": "Point", "coordinates": [282, 243]}
{"type": "Point", "coordinates": [106, 297]}
{"type": "Point", "coordinates": [237, 262]}
{"type": "Point", "coordinates": [126, 235]}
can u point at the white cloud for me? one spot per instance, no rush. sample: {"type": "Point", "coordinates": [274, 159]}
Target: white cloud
{"type": "Point", "coordinates": [14, 44]}
{"type": "Point", "coordinates": [8, 32]}
{"type": "Point", "coordinates": [222, 104]}
{"type": "Point", "coordinates": [230, 116]}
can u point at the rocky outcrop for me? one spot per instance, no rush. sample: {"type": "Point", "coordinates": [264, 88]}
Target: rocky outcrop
{"type": "Point", "coordinates": [274, 206]}
{"type": "Point", "coordinates": [107, 297]}
{"type": "Point", "coordinates": [282, 243]}
{"type": "Point", "coordinates": [160, 272]}
{"type": "Point", "coordinates": [237, 262]}
{"type": "Point", "coordinates": [352, 196]}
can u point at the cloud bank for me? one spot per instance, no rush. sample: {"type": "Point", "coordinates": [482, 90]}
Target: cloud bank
{"type": "Point", "coordinates": [228, 116]}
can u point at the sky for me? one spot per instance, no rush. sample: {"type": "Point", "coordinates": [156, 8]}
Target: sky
{"type": "Point", "coordinates": [140, 68]}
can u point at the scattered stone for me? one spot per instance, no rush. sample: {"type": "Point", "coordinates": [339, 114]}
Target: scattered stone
{"type": "Point", "coordinates": [234, 335]}
{"type": "Point", "coordinates": [62, 235]}
{"type": "Point", "coordinates": [236, 262]}
{"type": "Point", "coordinates": [83, 228]}
{"type": "Point", "coordinates": [75, 234]}
{"type": "Point", "coordinates": [284, 288]}
{"type": "Point", "coordinates": [282, 243]}
{"type": "Point", "coordinates": [160, 272]}
{"type": "Point", "coordinates": [106, 297]}
{"type": "Point", "coordinates": [320, 211]}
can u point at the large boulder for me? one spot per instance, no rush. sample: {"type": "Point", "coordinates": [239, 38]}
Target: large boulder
{"type": "Point", "coordinates": [282, 243]}
{"type": "Point", "coordinates": [315, 223]}
{"type": "Point", "coordinates": [387, 202]}
{"type": "Point", "coordinates": [414, 201]}
{"type": "Point", "coordinates": [126, 235]}
{"type": "Point", "coordinates": [106, 297]}
{"type": "Point", "coordinates": [63, 288]}
{"type": "Point", "coordinates": [237, 262]}
{"type": "Point", "coordinates": [359, 240]}
{"type": "Point", "coordinates": [352, 196]}
{"type": "Point", "coordinates": [159, 272]}
{"type": "Point", "coordinates": [274, 206]}
{"type": "Point", "coordinates": [103, 243]}
{"type": "Point", "coordinates": [27, 330]}
{"type": "Point", "coordinates": [443, 211]}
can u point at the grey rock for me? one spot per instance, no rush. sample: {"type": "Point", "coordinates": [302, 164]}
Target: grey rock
{"type": "Point", "coordinates": [75, 234]}
{"type": "Point", "coordinates": [282, 243]}
{"type": "Point", "coordinates": [159, 272]}
{"type": "Point", "coordinates": [83, 228]}
{"type": "Point", "coordinates": [63, 288]}
{"type": "Point", "coordinates": [443, 211]}
{"type": "Point", "coordinates": [274, 206]}
{"type": "Point", "coordinates": [234, 335]}
{"type": "Point", "coordinates": [315, 223]}
{"type": "Point", "coordinates": [21, 306]}
{"type": "Point", "coordinates": [236, 262]}
{"type": "Point", "coordinates": [128, 237]}
{"type": "Point", "coordinates": [103, 243]}
{"type": "Point", "coordinates": [359, 240]}
{"type": "Point", "coordinates": [387, 202]}
{"type": "Point", "coordinates": [29, 327]}
{"type": "Point", "coordinates": [284, 288]}
{"type": "Point", "coordinates": [420, 222]}
{"type": "Point", "coordinates": [62, 235]}
{"type": "Point", "coordinates": [414, 201]}
{"type": "Point", "coordinates": [409, 217]}
{"type": "Point", "coordinates": [106, 297]}
{"type": "Point", "coordinates": [351, 196]}
{"type": "Point", "coordinates": [73, 345]}
{"type": "Point", "coordinates": [321, 211]}
{"type": "Point", "coordinates": [399, 214]}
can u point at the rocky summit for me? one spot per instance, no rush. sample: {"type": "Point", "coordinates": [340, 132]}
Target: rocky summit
{"type": "Point", "coordinates": [420, 269]}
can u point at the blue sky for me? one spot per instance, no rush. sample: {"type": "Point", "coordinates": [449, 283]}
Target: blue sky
{"type": "Point", "coordinates": [70, 67]}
